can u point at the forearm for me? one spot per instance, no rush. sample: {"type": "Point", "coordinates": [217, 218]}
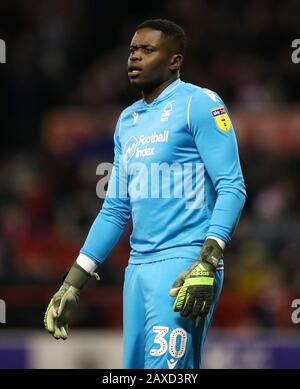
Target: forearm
{"type": "Point", "coordinates": [226, 214]}
{"type": "Point", "coordinates": [101, 239]}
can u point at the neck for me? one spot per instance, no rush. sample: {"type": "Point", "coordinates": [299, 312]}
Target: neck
{"type": "Point", "coordinates": [149, 96]}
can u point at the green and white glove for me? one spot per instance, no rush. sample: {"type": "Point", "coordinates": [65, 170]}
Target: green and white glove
{"type": "Point", "coordinates": [193, 288]}
{"type": "Point", "coordinates": [64, 302]}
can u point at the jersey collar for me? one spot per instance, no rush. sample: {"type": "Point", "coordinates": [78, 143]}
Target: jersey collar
{"type": "Point", "coordinates": [165, 93]}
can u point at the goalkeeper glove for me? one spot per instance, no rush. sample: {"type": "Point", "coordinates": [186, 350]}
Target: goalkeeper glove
{"type": "Point", "coordinates": [64, 302]}
{"type": "Point", "coordinates": [193, 288]}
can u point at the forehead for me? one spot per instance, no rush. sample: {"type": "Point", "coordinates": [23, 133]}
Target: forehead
{"type": "Point", "coordinates": [148, 36]}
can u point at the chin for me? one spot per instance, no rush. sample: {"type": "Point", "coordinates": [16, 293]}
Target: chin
{"type": "Point", "coordinates": [136, 83]}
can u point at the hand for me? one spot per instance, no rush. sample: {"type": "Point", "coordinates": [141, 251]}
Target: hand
{"type": "Point", "coordinates": [65, 301]}
{"type": "Point", "coordinates": [193, 288]}
{"type": "Point", "coordinates": [60, 309]}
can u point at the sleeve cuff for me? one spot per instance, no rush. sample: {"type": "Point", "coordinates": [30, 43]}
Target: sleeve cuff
{"type": "Point", "coordinates": [86, 263]}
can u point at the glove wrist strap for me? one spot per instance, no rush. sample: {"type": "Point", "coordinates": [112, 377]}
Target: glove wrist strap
{"type": "Point", "coordinates": [77, 276]}
{"type": "Point", "coordinates": [211, 252]}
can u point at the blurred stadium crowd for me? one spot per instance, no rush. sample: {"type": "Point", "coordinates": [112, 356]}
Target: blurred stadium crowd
{"type": "Point", "coordinates": [62, 90]}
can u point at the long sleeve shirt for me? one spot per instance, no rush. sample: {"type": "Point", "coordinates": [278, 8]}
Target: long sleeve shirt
{"type": "Point", "coordinates": [176, 172]}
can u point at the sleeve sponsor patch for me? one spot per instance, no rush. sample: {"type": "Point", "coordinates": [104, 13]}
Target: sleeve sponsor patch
{"type": "Point", "coordinates": [221, 118]}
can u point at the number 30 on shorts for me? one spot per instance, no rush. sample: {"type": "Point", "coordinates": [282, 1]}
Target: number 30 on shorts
{"type": "Point", "coordinates": [177, 342]}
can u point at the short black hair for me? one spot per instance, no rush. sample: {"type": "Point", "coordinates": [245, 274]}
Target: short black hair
{"type": "Point", "coordinates": [169, 29]}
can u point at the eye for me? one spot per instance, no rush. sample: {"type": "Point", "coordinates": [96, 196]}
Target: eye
{"type": "Point", "coordinates": [148, 50]}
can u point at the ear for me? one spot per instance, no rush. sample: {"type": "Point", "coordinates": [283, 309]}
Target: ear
{"type": "Point", "coordinates": [176, 62]}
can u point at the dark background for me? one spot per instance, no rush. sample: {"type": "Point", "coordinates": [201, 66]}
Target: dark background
{"type": "Point", "coordinates": [62, 89]}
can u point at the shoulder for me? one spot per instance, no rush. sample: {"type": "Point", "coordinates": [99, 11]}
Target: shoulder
{"type": "Point", "coordinates": [206, 108]}
{"type": "Point", "coordinates": [204, 96]}
{"type": "Point", "coordinates": [125, 114]}
{"type": "Point", "coordinates": [131, 108]}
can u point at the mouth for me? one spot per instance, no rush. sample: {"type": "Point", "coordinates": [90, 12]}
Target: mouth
{"type": "Point", "coordinates": [134, 71]}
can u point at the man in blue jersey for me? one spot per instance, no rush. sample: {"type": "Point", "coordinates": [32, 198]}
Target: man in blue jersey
{"type": "Point", "coordinates": [177, 174]}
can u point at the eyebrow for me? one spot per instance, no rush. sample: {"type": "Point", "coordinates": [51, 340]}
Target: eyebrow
{"type": "Point", "coordinates": [143, 46]}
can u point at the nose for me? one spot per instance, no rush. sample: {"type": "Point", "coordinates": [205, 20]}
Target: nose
{"type": "Point", "coordinates": [135, 56]}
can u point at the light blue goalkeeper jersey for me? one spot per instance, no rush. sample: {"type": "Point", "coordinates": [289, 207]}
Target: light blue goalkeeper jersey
{"type": "Point", "coordinates": [176, 172]}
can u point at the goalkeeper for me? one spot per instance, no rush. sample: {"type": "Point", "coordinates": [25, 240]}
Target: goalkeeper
{"type": "Point", "coordinates": [181, 223]}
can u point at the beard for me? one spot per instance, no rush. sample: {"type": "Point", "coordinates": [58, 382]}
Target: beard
{"type": "Point", "coordinates": [145, 85]}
